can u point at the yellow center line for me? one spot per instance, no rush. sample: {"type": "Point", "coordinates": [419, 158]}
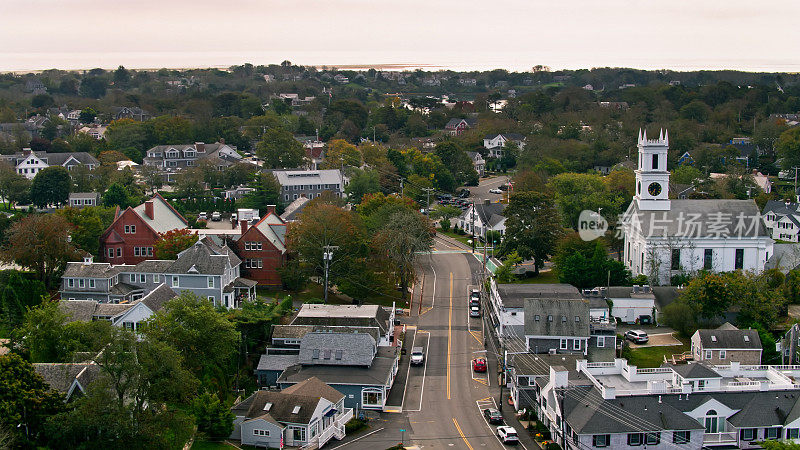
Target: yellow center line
{"type": "Point", "coordinates": [455, 422]}
{"type": "Point", "coordinates": [449, 335]}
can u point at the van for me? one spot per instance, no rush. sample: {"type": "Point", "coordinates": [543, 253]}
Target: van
{"type": "Point", "coordinates": [417, 356]}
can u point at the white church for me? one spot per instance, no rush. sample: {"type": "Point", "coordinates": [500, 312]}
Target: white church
{"type": "Point", "coordinates": [665, 237]}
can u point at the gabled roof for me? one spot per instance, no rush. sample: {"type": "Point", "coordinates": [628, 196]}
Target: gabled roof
{"type": "Point", "coordinates": [337, 349]}
{"type": "Point", "coordinates": [66, 377]}
{"type": "Point", "coordinates": [563, 311]}
{"type": "Point", "coordinates": [694, 371]}
{"type": "Point", "coordinates": [93, 270]}
{"type": "Point", "coordinates": [78, 310]}
{"type": "Point", "coordinates": [674, 223]}
{"type": "Point", "coordinates": [157, 297]}
{"type": "Point", "coordinates": [514, 295]}
{"type": "Point", "coordinates": [730, 339]}
{"type": "Point", "coordinates": [204, 257]}
{"type": "Point", "coordinates": [490, 214]}
{"type": "Point", "coordinates": [294, 209]}
{"type": "Point", "coordinates": [283, 406]}
{"type": "Point", "coordinates": [273, 228]}
{"type": "Point", "coordinates": [343, 315]}
{"type": "Point", "coordinates": [165, 218]}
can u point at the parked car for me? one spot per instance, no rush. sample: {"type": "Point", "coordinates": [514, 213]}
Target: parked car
{"type": "Point", "coordinates": [495, 191]}
{"type": "Point", "coordinates": [507, 434]}
{"type": "Point", "coordinates": [479, 364]}
{"type": "Point", "coordinates": [474, 311]}
{"type": "Point", "coordinates": [234, 217]}
{"type": "Point", "coordinates": [475, 295]}
{"type": "Point", "coordinates": [492, 415]}
{"type": "Point", "coordinates": [464, 193]}
{"type": "Point", "coordinates": [637, 336]}
{"type": "Point", "coordinates": [503, 187]}
{"type": "Point", "coordinates": [417, 356]}
{"type": "Point", "coordinates": [216, 216]}
{"type": "Point", "coordinates": [202, 216]}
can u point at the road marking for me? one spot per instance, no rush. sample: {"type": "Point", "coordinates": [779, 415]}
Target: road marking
{"type": "Point", "coordinates": [475, 334]}
{"type": "Point", "coordinates": [449, 335]}
{"type": "Point", "coordinates": [486, 403]}
{"type": "Point", "coordinates": [358, 438]}
{"type": "Point", "coordinates": [455, 422]}
{"type": "Point", "coordinates": [424, 373]}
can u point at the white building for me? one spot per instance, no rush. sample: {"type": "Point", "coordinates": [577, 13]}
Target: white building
{"type": "Point", "coordinates": [782, 220]}
{"type": "Point", "coordinates": [495, 143]}
{"type": "Point", "coordinates": [664, 237]}
{"type": "Point", "coordinates": [480, 218]}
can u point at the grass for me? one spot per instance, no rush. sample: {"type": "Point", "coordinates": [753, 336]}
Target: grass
{"type": "Point", "coordinates": [647, 357]}
{"type": "Point", "coordinates": [459, 237]}
{"type": "Point", "coordinates": [201, 444]}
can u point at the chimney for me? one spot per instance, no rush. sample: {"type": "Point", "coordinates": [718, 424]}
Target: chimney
{"type": "Point", "coordinates": [559, 376]}
{"type": "Point", "coordinates": [270, 209]}
{"type": "Point", "coordinates": [222, 141]}
{"type": "Point", "coordinates": [148, 209]}
{"type": "Point", "coordinates": [243, 224]}
{"type": "Point", "coordinates": [200, 147]}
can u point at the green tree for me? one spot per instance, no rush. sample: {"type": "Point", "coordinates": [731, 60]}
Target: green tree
{"type": "Point", "coordinates": [170, 130]}
{"type": "Point", "coordinates": [41, 243]}
{"type": "Point", "coordinates": [280, 150]}
{"type": "Point", "coordinates": [127, 136]}
{"type": "Point", "coordinates": [575, 192]}
{"type": "Point", "coordinates": [788, 148]}
{"type": "Point", "coordinates": [402, 239]}
{"type": "Point", "coordinates": [587, 264]}
{"type": "Point", "coordinates": [116, 195]}
{"type": "Point", "coordinates": [212, 416]}
{"type": "Point", "coordinates": [13, 186]}
{"type": "Point", "coordinates": [456, 160]}
{"type": "Point", "coordinates": [268, 192]}
{"type": "Point", "coordinates": [26, 401]}
{"type": "Point", "coordinates": [87, 115]}
{"type": "Point", "coordinates": [533, 227]}
{"type": "Point", "coordinates": [87, 225]}
{"type": "Point", "coordinates": [340, 153]}
{"type": "Point", "coordinates": [51, 186]}
{"type": "Point", "coordinates": [710, 294]}
{"type": "Point", "coordinates": [686, 174]}
{"type": "Point", "coordinates": [190, 183]}
{"type": "Point", "coordinates": [362, 182]}
{"type": "Point", "coordinates": [17, 294]}
{"type": "Point", "coordinates": [172, 242]}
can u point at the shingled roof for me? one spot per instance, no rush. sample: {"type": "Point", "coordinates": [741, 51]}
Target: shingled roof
{"type": "Point", "coordinates": [733, 339]}
{"type": "Point", "coordinates": [557, 317]}
{"type": "Point", "coordinates": [295, 404]}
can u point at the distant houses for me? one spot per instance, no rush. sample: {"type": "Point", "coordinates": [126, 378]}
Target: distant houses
{"type": "Point", "coordinates": [479, 218]}
{"type": "Point", "coordinates": [28, 163]}
{"type": "Point", "coordinates": [309, 183]}
{"type": "Point", "coordinates": [170, 159]}
{"type": "Point", "coordinates": [495, 143]}
{"type": "Point", "coordinates": [456, 127]}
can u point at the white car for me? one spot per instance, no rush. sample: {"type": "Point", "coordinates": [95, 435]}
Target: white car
{"type": "Point", "coordinates": [417, 356]}
{"type": "Point", "coordinates": [507, 434]}
{"type": "Point", "coordinates": [202, 216]}
{"type": "Point", "coordinates": [216, 216]}
{"type": "Point", "coordinates": [495, 191]}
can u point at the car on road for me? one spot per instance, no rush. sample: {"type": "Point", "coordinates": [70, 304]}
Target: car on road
{"type": "Point", "coordinates": [492, 415]}
{"type": "Point", "coordinates": [202, 216]}
{"type": "Point", "coordinates": [508, 435]}
{"type": "Point", "coordinates": [479, 364]}
{"type": "Point", "coordinates": [417, 356]}
{"type": "Point", "coordinates": [216, 216]}
{"type": "Point", "coordinates": [476, 294]}
{"type": "Point", "coordinates": [495, 191]}
{"type": "Point", "coordinates": [474, 311]}
{"type": "Point", "coordinates": [637, 336]}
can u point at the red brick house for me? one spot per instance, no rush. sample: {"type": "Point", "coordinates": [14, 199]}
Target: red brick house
{"type": "Point", "coordinates": [130, 238]}
{"type": "Point", "coordinates": [262, 249]}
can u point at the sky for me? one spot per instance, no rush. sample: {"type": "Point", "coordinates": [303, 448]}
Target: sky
{"type": "Point", "coordinates": [463, 35]}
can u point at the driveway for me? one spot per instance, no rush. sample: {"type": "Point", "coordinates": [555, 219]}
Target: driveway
{"type": "Point", "coordinates": [659, 340]}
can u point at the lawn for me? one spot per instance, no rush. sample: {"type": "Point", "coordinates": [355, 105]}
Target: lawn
{"type": "Point", "coordinates": [208, 445]}
{"type": "Point", "coordinates": [654, 356]}
{"type": "Point", "coordinates": [459, 237]}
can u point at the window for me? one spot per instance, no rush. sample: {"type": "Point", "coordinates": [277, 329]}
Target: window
{"type": "Point", "coordinates": [91, 282]}
{"type": "Point", "coordinates": [174, 281]}
{"type": "Point", "coordinates": [149, 251]}
{"type": "Point", "coordinates": [549, 318]}
{"type": "Point", "coordinates": [652, 438]}
{"type": "Point", "coordinates": [326, 354]}
{"type": "Point", "coordinates": [772, 433]}
{"type": "Point", "coordinates": [655, 162]}
{"type": "Point", "coordinates": [563, 344]}
{"type": "Point", "coordinates": [133, 278]}
{"type": "Point", "coordinates": [680, 437]}
{"type": "Point", "coordinates": [601, 440]}
{"type": "Point", "coordinates": [708, 259]}
{"type": "Point", "coordinates": [261, 433]}
{"type": "Point", "coordinates": [739, 260]}
{"type": "Point", "coordinates": [211, 282]}
{"type": "Point", "coordinates": [136, 252]}
{"type": "Point", "coordinates": [748, 434]}
{"type": "Point", "coordinates": [722, 354]}
{"type": "Point", "coordinates": [536, 317]}
{"type": "Point", "coordinates": [792, 433]}
{"type": "Point", "coordinates": [111, 253]}
{"type": "Point", "coordinates": [577, 319]}
{"type": "Point", "coordinates": [676, 259]}
{"type": "Point", "coordinates": [119, 252]}
{"type": "Point", "coordinates": [701, 384]}
{"type": "Point", "coordinates": [70, 282]}
{"type": "Point", "coordinates": [601, 341]}
{"type": "Point", "coordinates": [339, 355]}
{"type": "Point", "coordinates": [576, 344]}
{"type": "Point", "coordinates": [212, 299]}
{"type": "Point", "coordinates": [81, 282]}
{"type": "Point", "coordinates": [635, 439]}
{"type": "Point", "coordinates": [708, 354]}
{"type": "Point", "coordinates": [315, 354]}
{"type": "Point", "coordinates": [156, 278]}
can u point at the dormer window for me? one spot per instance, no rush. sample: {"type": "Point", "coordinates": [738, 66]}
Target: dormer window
{"type": "Point", "coordinates": [296, 410]}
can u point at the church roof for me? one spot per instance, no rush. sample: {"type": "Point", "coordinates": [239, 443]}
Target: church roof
{"type": "Point", "coordinates": [717, 218]}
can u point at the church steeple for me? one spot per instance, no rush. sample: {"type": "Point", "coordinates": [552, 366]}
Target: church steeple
{"type": "Point", "coordinates": [652, 176]}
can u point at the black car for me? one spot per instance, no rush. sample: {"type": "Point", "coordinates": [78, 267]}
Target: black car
{"type": "Point", "coordinates": [492, 415]}
{"type": "Point", "coordinates": [464, 193]}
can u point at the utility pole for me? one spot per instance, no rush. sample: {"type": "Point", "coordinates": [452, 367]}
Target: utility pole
{"type": "Point", "coordinates": [472, 227]}
{"type": "Point", "coordinates": [428, 190]}
{"type": "Point", "coordinates": [327, 256]}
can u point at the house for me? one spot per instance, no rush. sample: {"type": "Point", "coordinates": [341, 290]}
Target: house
{"type": "Point", "coordinates": [745, 149]}
{"type": "Point", "coordinates": [782, 220]}
{"type": "Point", "coordinates": [495, 143]}
{"type": "Point", "coordinates": [307, 415]}
{"type": "Point", "coordinates": [206, 269]}
{"type": "Point", "coordinates": [562, 326]}
{"type": "Point", "coordinates": [339, 78]}
{"type": "Point", "coordinates": [686, 159]}
{"type": "Point", "coordinates": [293, 210]}
{"type": "Point", "coordinates": [28, 163]}
{"type": "Point", "coordinates": [71, 379]}
{"type": "Point", "coordinates": [35, 87]}
{"type": "Point", "coordinates": [628, 304]}
{"type": "Point", "coordinates": [727, 344]}
{"type": "Point", "coordinates": [350, 316]}
{"type": "Point", "coordinates": [315, 155]}
{"type": "Point", "coordinates": [789, 345]}
{"type": "Point", "coordinates": [477, 162]}
{"type": "Point", "coordinates": [457, 126]}
{"type": "Point", "coordinates": [82, 199]}
{"type": "Point", "coordinates": [664, 237]}
{"type": "Point", "coordinates": [309, 183]}
{"type": "Point", "coordinates": [96, 131]}
{"type": "Point", "coordinates": [526, 371]}
{"type": "Point", "coordinates": [262, 248]}
{"type": "Point", "coordinates": [785, 257]}
{"type": "Point", "coordinates": [507, 303]}
{"type": "Point", "coordinates": [237, 192]}
{"type": "Point", "coordinates": [134, 112]}
{"type": "Point", "coordinates": [127, 315]}
{"type": "Point", "coordinates": [352, 363]}
{"type": "Point", "coordinates": [614, 105]}
{"type": "Point", "coordinates": [689, 406]}
{"type": "Point", "coordinates": [479, 218]}
{"type": "Point", "coordinates": [172, 158]}
{"type": "Point", "coordinates": [131, 236]}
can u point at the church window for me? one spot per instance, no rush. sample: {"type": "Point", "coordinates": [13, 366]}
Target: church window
{"type": "Point", "coordinates": [676, 259]}
{"type": "Point", "coordinates": [739, 260]}
{"type": "Point", "coordinates": [708, 259]}
{"type": "Point", "coordinates": [655, 162]}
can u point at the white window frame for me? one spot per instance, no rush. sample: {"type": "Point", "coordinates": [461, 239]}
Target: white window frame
{"type": "Point", "coordinates": [723, 354]}
{"type": "Point", "coordinates": [133, 278]}
{"type": "Point", "coordinates": [81, 283]}
{"type": "Point", "coordinates": [210, 281]}
{"type": "Point", "coordinates": [563, 344]}
{"type": "Point", "coordinates": [576, 344]}
{"type": "Point", "coordinates": [176, 281]}
{"type": "Point", "coordinates": [259, 432]}
{"type": "Point", "coordinates": [111, 253]}
{"type": "Point", "coordinates": [70, 282]}
{"type": "Point", "coordinates": [91, 282]}
{"type": "Point", "coordinates": [601, 341]}
{"type": "Point", "coordinates": [708, 354]}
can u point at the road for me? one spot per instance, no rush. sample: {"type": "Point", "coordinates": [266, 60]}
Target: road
{"type": "Point", "coordinates": [443, 400]}
{"type": "Point", "coordinates": [481, 191]}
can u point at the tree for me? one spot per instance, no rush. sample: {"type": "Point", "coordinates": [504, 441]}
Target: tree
{"type": "Point", "coordinates": [686, 174]}
{"type": "Point", "coordinates": [280, 150]}
{"type": "Point", "coordinates": [212, 416]}
{"type": "Point", "coordinates": [151, 176]}
{"type": "Point", "coordinates": [340, 153]}
{"type": "Point", "coordinates": [586, 264]}
{"type": "Point", "coordinates": [190, 183]}
{"type": "Point", "coordinates": [268, 192]}
{"type": "Point", "coordinates": [533, 227]}
{"type": "Point", "coordinates": [402, 239]}
{"type": "Point", "coordinates": [575, 192]}
{"type": "Point", "coordinates": [116, 195]}
{"type": "Point", "coordinates": [203, 336]}
{"type": "Point", "coordinates": [26, 401]}
{"type": "Point", "coordinates": [13, 186]}
{"type": "Point", "coordinates": [41, 243]}
{"type": "Point", "coordinates": [17, 294]}
{"type": "Point", "coordinates": [710, 294]}
{"type": "Point", "coordinates": [680, 316]}
{"type": "Point", "coordinates": [456, 160]}
{"type": "Point", "coordinates": [87, 115]}
{"type": "Point", "coordinates": [362, 182]}
{"type": "Point", "coordinates": [788, 147]}
{"type": "Point", "coordinates": [51, 186]}
{"type": "Point", "coordinates": [172, 242]}
{"type": "Point", "coordinates": [170, 129]}
{"type": "Point", "coordinates": [127, 136]}
{"type": "Point", "coordinates": [87, 225]}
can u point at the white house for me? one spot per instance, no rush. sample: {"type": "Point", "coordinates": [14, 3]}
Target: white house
{"type": "Point", "coordinates": [127, 315]}
{"type": "Point", "coordinates": [495, 143]}
{"type": "Point", "coordinates": [477, 162]}
{"type": "Point", "coordinates": [479, 218]}
{"type": "Point", "coordinates": [664, 237]}
{"type": "Point", "coordinates": [28, 163]}
{"type": "Point", "coordinates": [628, 304]}
{"type": "Point", "coordinates": [782, 220]}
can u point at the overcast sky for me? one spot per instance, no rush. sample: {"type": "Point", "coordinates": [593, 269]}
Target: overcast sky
{"type": "Point", "coordinates": [513, 34]}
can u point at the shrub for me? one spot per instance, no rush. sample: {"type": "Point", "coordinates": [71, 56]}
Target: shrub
{"type": "Point", "coordinates": [354, 425]}
{"type": "Point", "coordinates": [445, 224]}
